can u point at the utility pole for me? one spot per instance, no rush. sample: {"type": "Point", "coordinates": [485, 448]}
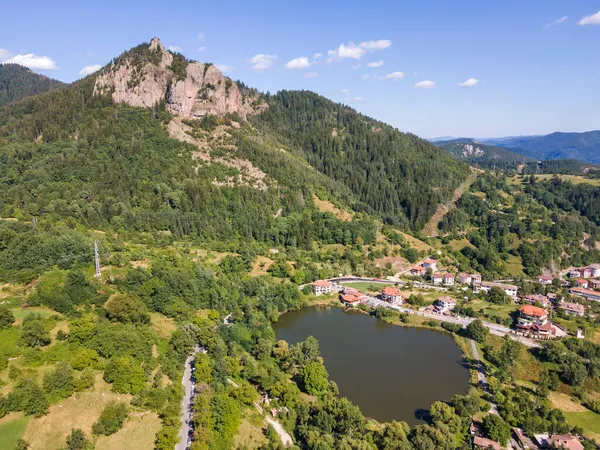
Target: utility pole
{"type": "Point", "coordinates": [97, 260]}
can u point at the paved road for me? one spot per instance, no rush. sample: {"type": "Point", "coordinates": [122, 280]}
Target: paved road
{"type": "Point", "coordinates": [187, 401]}
{"type": "Point", "coordinates": [494, 328]}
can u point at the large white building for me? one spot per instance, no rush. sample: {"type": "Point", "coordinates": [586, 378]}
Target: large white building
{"type": "Point", "coordinates": [509, 289]}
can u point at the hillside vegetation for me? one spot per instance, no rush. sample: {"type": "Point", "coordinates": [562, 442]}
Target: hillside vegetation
{"type": "Point", "coordinates": [17, 82]}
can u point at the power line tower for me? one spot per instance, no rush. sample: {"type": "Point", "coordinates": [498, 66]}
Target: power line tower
{"type": "Point", "coordinates": [97, 260]}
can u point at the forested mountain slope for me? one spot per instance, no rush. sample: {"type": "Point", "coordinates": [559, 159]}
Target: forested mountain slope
{"type": "Point", "coordinates": [400, 177]}
{"type": "Point", "coordinates": [17, 82]}
{"type": "Point", "coordinates": [483, 155]}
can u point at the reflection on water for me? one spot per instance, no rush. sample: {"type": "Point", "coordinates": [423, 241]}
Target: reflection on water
{"type": "Point", "coordinates": [390, 372]}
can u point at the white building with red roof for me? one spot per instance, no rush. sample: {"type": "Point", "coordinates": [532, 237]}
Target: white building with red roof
{"type": "Point", "coordinates": [445, 303]}
{"type": "Point", "coordinates": [572, 309]}
{"type": "Point", "coordinates": [322, 287]}
{"type": "Point", "coordinates": [418, 271]}
{"type": "Point", "coordinates": [545, 279]}
{"type": "Point", "coordinates": [430, 263]}
{"type": "Point", "coordinates": [581, 282]}
{"type": "Point", "coordinates": [448, 279]}
{"type": "Point", "coordinates": [391, 294]}
{"type": "Point", "coordinates": [437, 278]}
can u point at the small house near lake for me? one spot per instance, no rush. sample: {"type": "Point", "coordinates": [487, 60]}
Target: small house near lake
{"type": "Point", "coordinates": [391, 295]}
{"type": "Point", "coordinates": [322, 287]}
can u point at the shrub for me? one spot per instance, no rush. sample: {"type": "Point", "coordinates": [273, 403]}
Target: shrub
{"type": "Point", "coordinates": [111, 419]}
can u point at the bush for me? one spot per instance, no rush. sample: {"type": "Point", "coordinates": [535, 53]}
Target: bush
{"type": "Point", "coordinates": [111, 419]}
{"type": "Point", "coordinates": [7, 318]}
{"type": "Point", "coordinates": [451, 327]}
{"type": "Point", "coordinates": [478, 331]}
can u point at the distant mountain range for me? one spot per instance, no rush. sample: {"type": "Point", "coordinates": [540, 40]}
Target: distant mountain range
{"type": "Point", "coordinates": [17, 82]}
{"type": "Point", "coordinates": [583, 147]}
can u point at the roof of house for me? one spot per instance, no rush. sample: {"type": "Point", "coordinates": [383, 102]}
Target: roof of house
{"type": "Point", "coordinates": [446, 299]}
{"type": "Point", "coordinates": [499, 285]}
{"type": "Point", "coordinates": [350, 298]}
{"type": "Point", "coordinates": [418, 269]}
{"type": "Point", "coordinates": [572, 306]}
{"type": "Point", "coordinates": [581, 280]}
{"type": "Point", "coordinates": [583, 269]}
{"type": "Point", "coordinates": [448, 275]}
{"type": "Point", "coordinates": [536, 298]}
{"type": "Point", "coordinates": [583, 291]}
{"type": "Point", "coordinates": [429, 261]}
{"type": "Point", "coordinates": [531, 310]}
{"type": "Point", "coordinates": [546, 277]}
{"type": "Point", "coordinates": [436, 275]}
{"type": "Point", "coordinates": [465, 275]}
{"type": "Point", "coordinates": [565, 441]}
{"type": "Point", "coordinates": [388, 290]}
{"type": "Point", "coordinates": [322, 283]}
{"type": "Point", "coordinates": [486, 443]}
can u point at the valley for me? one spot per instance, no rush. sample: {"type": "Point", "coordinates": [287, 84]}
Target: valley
{"type": "Point", "coordinates": [225, 216]}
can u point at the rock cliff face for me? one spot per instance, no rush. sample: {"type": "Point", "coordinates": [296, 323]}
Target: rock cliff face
{"type": "Point", "coordinates": [191, 90]}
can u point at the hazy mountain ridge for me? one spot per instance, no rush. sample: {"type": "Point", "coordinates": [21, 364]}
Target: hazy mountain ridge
{"type": "Point", "coordinates": [17, 82]}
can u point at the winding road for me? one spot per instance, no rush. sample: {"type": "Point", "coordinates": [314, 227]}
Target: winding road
{"type": "Point", "coordinates": [188, 385]}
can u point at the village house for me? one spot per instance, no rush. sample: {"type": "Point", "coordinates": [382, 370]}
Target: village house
{"type": "Point", "coordinates": [437, 278]}
{"type": "Point", "coordinates": [581, 282]}
{"type": "Point", "coordinates": [530, 315]}
{"type": "Point", "coordinates": [445, 304]}
{"type": "Point", "coordinates": [391, 294]}
{"type": "Point", "coordinates": [322, 287]}
{"type": "Point", "coordinates": [572, 309]}
{"type": "Point", "coordinates": [448, 279]}
{"type": "Point", "coordinates": [562, 441]}
{"type": "Point", "coordinates": [484, 443]}
{"type": "Point", "coordinates": [585, 293]}
{"type": "Point", "coordinates": [545, 279]}
{"type": "Point", "coordinates": [537, 298]}
{"type": "Point", "coordinates": [350, 299]}
{"type": "Point", "coordinates": [594, 284]}
{"type": "Point", "coordinates": [475, 279]}
{"type": "Point", "coordinates": [574, 273]}
{"type": "Point", "coordinates": [430, 264]}
{"type": "Point", "coordinates": [418, 271]}
{"type": "Point", "coordinates": [584, 272]}
{"type": "Point", "coordinates": [595, 270]}
{"type": "Point", "coordinates": [509, 289]}
{"type": "Point", "coordinates": [464, 278]}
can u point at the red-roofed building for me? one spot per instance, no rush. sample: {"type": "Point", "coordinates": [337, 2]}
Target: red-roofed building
{"type": "Point", "coordinates": [322, 287]}
{"type": "Point", "coordinates": [391, 294]}
{"type": "Point", "coordinates": [448, 279]}
{"type": "Point", "coordinates": [546, 279]}
{"type": "Point", "coordinates": [464, 278]}
{"type": "Point", "coordinates": [430, 263]}
{"type": "Point", "coordinates": [483, 443]}
{"type": "Point", "coordinates": [531, 317]}
{"type": "Point", "coordinates": [584, 272]}
{"type": "Point", "coordinates": [351, 299]}
{"type": "Point", "coordinates": [418, 271]}
{"type": "Point", "coordinates": [564, 441]}
{"type": "Point", "coordinates": [573, 309]}
{"type": "Point", "coordinates": [581, 282]}
{"type": "Point", "coordinates": [594, 284]}
{"type": "Point", "coordinates": [585, 293]}
{"type": "Point", "coordinates": [445, 303]}
{"type": "Point", "coordinates": [537, 298]}
{"type": "Point", "coordinates": [437, 278]}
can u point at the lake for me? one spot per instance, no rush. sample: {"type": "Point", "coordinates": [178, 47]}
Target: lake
{"type": "Point", "coordinates": [390, 372]}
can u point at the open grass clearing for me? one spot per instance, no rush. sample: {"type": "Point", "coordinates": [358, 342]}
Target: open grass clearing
{"type": "Point", "coordinates": [250, 433]}
{"type": "Point", "coordinates": [513, 265]}
{"type": "Point", "coordinates": [417, 244]}
{"type": "Point", "coordinates": [12, 427]}
{"type": "Point", "coordinates": [138, 433]}
{"type": "Point", "coordinates": [365, 286]}
{"type": "Point", "coordinates": [260, 266]}
{"type": "Point", "coordinates": [565, 403]}
{"type": "Point", "coordinates": [458, 245]}
{"type": "Point", "coordinates": [21, 313]}
{"type": "Point", "coordinates": [575, 179]}
{"type": "Point", "coordinates": [163, 326]}
{"type": "Point", "coordinates": [589, 421]}
{"type": "Point", "coordinates": [327, 206]}
{"type": "Point", "coordinates": [78, 411]}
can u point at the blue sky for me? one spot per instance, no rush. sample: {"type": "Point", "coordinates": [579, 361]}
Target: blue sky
{"type": "Point", "coordinates": [535, 63]}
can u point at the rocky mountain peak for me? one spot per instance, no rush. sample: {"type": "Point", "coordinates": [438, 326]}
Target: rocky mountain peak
{"type": "Point", "coordinates": [147, 75]}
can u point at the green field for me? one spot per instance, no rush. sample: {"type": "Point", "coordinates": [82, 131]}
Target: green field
{"type": "Point", "coordinates": [589, 421]}
{"type": "Point", "coordinates": [575, 179]}
{"type": "Point", "coordinates": [365, 286]}
{"type": "Point", "coordinates": [12, 428]}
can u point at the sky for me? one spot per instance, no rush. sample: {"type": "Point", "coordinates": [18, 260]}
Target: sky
{"type": "Point", "coordinates": [433, 68]}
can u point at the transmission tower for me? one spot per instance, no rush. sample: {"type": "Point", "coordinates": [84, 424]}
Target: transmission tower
{"type": "Point", "coordinates": [97, 260]}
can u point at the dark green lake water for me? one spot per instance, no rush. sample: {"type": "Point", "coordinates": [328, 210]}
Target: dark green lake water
{"type": "Point", "coordinates": [390, 372]}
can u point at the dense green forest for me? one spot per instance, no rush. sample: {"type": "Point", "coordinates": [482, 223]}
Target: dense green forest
{"type": "Point", "coordinates": [17, 82]}
{"type": "Point", "coordinates": [400, 177]}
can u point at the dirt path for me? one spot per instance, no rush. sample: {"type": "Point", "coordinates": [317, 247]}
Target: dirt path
{"type": "Point", "coordinates": [431, 227]}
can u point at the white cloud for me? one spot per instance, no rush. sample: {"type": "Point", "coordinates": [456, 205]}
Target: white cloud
{"type": "Point", "coordinates": [317, 56]}
{"type": "Point", "coordinates": [594, 19]}
{"type": "Point", "coordinates": [4, 54]}
{"type": "Point", "coordinates": [375, 63]}
{"type": "Point", "coordinates": [298, 63]}
{"type": "Point", "coordinates": [426, 84]}
{"type": "Point", "coordinates": [201, 37]}
{"type": "Point", "coordinates": [344, 91]}
{"type": "Point", "coordinates": [33, 61]}
{"type": "Point", "coordinates": [87, 70]}
{"type": "Point", "coordinates": [201, 49]}
{"type": "Point", "coordinates": [556, 22]}
{"type": "Point", "coordinates": [365, 76]}
{"type": "Point", "coordinates": [310, 74]}
{"type": "Point", "coordinates": [372, 46]}
{"type": "Point", "coordinates": [353, 51]}
{"type": "Point", "coordinates": [358, 99]}
{"type": "Point", "coordinates": [175, 48]}
{"type": "Point", "coordinates": [356, 66]}
{"type": "Point", "coordinates": [469, 83]}
{"type": "Point", "coordinates": [394, 76]}
{"type": "Point", "coordinates": [223, 67]}
{"type": "Point", "coordinates": [262, 62]}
